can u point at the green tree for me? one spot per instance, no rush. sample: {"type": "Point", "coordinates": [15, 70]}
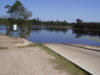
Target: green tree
{"type": "Point", "coordinates": [18, 11]}
{"type": "Point", "coordinates": [79, 21]}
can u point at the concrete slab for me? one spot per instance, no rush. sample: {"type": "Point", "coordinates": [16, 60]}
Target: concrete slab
{"type": "Point", "coordinates": [89, 60]}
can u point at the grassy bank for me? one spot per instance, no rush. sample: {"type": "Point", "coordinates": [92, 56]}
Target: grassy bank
{"type": "Point", "coordinates": [3, 48]}
{"type": "Point", "coordinates": [86, 29]}
{"type": "Point", "coordinates": [63, 63]}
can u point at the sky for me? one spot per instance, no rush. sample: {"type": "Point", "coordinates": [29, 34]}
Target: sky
{"type": "Point", "coordinates": [69, 10]}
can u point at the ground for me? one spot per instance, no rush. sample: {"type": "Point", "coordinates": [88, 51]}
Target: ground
{"type": "Point", "coordinates": [86, 57]}
{"type": "Point", "coordinates": [26, 60]}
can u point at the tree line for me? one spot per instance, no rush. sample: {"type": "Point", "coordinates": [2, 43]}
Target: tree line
{"type": "Point", "coordinates": [18, 14]}
{"type": "Point", "coordinates": [84, 25]}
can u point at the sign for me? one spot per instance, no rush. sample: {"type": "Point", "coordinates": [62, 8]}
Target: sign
{"type": "Point", "coordinates": [14, 27]}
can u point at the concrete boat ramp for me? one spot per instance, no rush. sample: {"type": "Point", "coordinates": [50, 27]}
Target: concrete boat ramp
{"type": "Point", "coordinates": [89, 60]}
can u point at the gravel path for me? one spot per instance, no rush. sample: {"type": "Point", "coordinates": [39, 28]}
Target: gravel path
{"type": "Point", "coordinates": [27, 61]}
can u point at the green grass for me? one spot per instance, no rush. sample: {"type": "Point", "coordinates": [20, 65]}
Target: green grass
{"type": "Point", "coordinates": [63, 63]}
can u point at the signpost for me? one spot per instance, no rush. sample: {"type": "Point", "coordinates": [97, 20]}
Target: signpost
{"type": "Point", "coordinates": [15, 27]}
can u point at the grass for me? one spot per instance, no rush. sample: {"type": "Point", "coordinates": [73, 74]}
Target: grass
{"type": "Point", "coordinates": [63, 63]}
{"type": "Point", "coordinates": [52, 26]}
{"type": "Point", "coordinates": [86, 29]}
{"type": "Point", "coordinates": [59, 27]}
{"type": "Point", "coordinates": [3, 48]}
{"type": "Point", "coordinates": [30, 45]}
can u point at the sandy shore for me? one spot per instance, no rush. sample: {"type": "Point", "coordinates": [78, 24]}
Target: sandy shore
{"type": "Point", "coordinates": [24, 61]}
{"type": "Point", "coordinates": [11, 42]}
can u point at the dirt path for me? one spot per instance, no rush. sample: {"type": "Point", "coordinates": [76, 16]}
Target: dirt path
{"type": "Point", "coordinates": [11, 42]}
{"type": "Point", "coordinates": [24, 61]}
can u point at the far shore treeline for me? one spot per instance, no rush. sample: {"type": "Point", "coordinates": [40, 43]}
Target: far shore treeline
{"type": "Point", "coordinates": [18, 14]}
{"type": "Point", "coordinates": [10, 21]}
{"type": "Point", "coordinates": [37, 22]}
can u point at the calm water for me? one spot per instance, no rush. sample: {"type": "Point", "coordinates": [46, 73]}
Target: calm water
{"type": "Point", "coordinates": [55, 35]}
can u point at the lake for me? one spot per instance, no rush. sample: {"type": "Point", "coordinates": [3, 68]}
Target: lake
{"type": "Point", "coordinates": [54, 35]}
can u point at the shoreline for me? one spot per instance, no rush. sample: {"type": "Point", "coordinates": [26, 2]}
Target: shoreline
{"type": "Point", "coordinates": [21, 42]}
{"type": "Point", "coordinates": [26, 42]}
{"type": "Point", "coordinates": [13, 42]}
{"type": "Point", "coordinates": [88, 47]}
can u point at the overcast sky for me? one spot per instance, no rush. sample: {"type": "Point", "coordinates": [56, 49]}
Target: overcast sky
{"type": "Point", "coordinates": [69, 10]}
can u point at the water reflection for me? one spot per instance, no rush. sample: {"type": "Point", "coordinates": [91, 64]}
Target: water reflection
{"type": "Point", "coordinates": [81, 32]}
{"type": "Point", "coordinates": [52, 34]}
{"type": "Point", "coordinates": [37, 29]}
{"type": "Point", "coordinates": [23, 31]}
{"type": "Point", "coordinates": [53, 29]}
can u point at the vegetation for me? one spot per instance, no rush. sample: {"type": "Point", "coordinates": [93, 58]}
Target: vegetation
{"type": "Point", "coordinates": [3, 47]}
{"type": "Point", "coordinates": [30, 45]}
{"type": "Point", "coordinates": [81, 32]}
{"type": "Point", "coordinates": [63, 63]}
{"type": "Point", "coordinates": [37, 22]}
{"type": "Point", "coordinates": [55, 24]}
{"type": "Point", "coordinates": [17, 11]}
{"type": "Point", "coordinates": [83, 25]}
{"type": "Point", "coordinates": [18, 14]}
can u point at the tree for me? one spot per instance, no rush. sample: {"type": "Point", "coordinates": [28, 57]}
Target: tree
{"type": "Point", "coordinates": [17, 11]}
{"type": "Point", "coordinates": [79, 21]}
